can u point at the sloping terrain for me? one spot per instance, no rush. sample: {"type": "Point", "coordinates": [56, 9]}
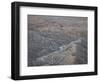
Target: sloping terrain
{"type": "Point", "coordinates": [54, 40]}
{"type": "Point", "coordinates": [73, 53]}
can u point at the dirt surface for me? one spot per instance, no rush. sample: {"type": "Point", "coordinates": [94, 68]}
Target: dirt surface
{"type": "Point", "coordinates": [57, 40]}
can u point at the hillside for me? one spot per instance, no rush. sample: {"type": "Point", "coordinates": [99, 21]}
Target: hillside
{"type": "Point", "coordinates": [49, 37]}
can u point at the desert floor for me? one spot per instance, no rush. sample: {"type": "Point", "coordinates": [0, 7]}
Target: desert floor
{"type": "Point", "coordinates": [57, 40]}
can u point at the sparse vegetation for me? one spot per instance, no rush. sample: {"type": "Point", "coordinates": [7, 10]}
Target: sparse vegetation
{"type": "Point", "coordinates": [48, 34]}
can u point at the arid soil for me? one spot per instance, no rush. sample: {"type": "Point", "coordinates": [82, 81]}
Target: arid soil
{"type": "Point", "coordinates": [57, 40]}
